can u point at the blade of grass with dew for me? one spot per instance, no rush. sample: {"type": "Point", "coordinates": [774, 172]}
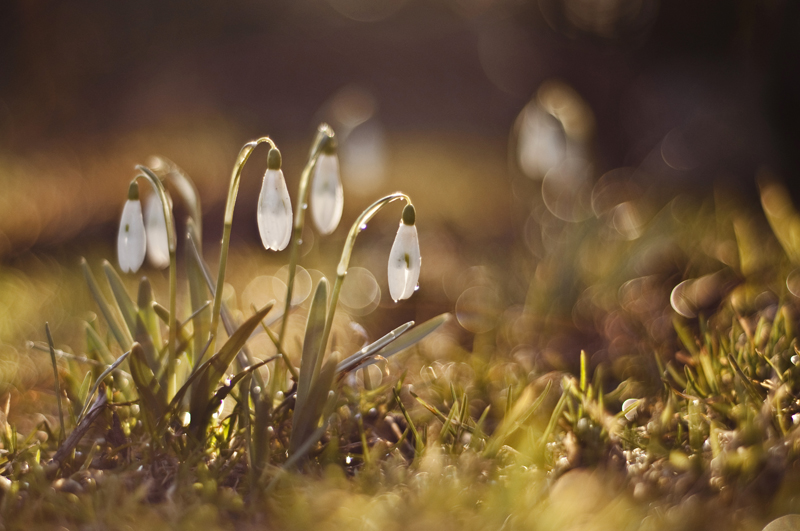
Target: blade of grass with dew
{"type": "Point", "coordinates": [352, 362]}
{"type": "Point", "coordinates": [408, 339]}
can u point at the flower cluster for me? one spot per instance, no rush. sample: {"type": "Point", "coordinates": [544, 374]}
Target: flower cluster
{"type": "Point", "coordinates": [148, 235]}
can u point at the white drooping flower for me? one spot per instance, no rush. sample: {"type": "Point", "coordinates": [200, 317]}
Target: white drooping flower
{"type": "Point", "coordinates": [404, 258]}
{"type": "Point", "coordinates": [156, 228]}
{"type": "Point", "coordinates": [131, 241]}
{"type": "Point", "coordinates": [327, 196]}
{"type": "Point", "coordinates": [274, 206]}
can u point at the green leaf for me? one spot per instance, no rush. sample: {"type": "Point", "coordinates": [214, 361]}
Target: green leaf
{"type": "Point", "coordinates": [367, 352]}
{"type": "Point", "coordinates": [96, 346]}
{"type": "Point", "coordinates": [83, 391]}
{"type": "Point", "coordinates": [145, 302]}
{"type": "Point", "coordinates": [150, 352]}
{"type": "Point", "coordinates": [198, 295]}
{"type": "Point", "coordinates": [307, 419]}
{"type": "Point", "coordinates": [114, 366]}
{"type": "Point", "coordinates": [226, 389]}
{"type": "Point", "coordinates": [125, 305]}
{"type": "Point", "coordinates": [311, 347]}
{"type": "Point", "coordinates": [413, 336]}
{"type": "Point", "coordinates": [150, 392]}
{"type": "Point", "coordinates": [210, 372]}
{"type": "Point", "coordinates": [122, 336]}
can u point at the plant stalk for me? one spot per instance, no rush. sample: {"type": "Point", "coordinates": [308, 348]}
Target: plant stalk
{"type": "Point", "coordinates": [344, 262]}
{"type": "Point", "coordinates": [324, 135]}
{"type": "Point", "coordinates": [158, 186]}
{"type": "Point", "coordinates": [233, 190]}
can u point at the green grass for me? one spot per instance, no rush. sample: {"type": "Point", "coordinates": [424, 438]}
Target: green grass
{"type": "Point", "coordinates": [517, 424]}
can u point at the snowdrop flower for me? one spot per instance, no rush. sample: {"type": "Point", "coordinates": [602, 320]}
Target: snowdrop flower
{"type": "Point", "coordinates": [327, 197]}
{"type": "Point", "coordinates": [131, 240]}
{"type": "Point", "coordinates": [274, 206]}
{"type": "Point", "coordinates": [631, 402]}
{"type": "Point", "coordinates": [404, 258]}
{"type": "Point", "coordinates": [156, 229]}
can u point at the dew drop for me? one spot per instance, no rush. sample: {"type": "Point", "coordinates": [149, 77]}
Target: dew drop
{"type": "Point", "coordinates": [299, 242]}
{"type": "Point", "coordinates": [795, 359]}
{"type": "Point", "coordinates": [363, 226]}
{"type": "Point", "coordinates": [416, 288]}
{"type": "Point", "coordinates": [305, 206]}
{"type": "Point", "coordinates": [348, 460]}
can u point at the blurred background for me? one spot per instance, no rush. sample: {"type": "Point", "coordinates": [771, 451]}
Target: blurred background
{"type": "Point", "coordinates": [505, 120]}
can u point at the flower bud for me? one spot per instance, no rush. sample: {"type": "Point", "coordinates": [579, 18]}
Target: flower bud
{"type": "Point", "coordinates": [131, 241]}
{"type": "Point", "coordinates": [274, 206]}
{"type": "Point", "coordinates": [404, 258]}
{"type": "Point", "coordinates": [156, 230]}
{"type": "Point", "coordinates": [327, 196]}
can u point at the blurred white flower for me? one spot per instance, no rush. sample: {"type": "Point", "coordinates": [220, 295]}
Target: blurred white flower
{"type": "Point", "coordinates": [327, 196]}
{"type": "Point", "coordinates": [131, 239]}
{"type": "Point", "coordinates": [630, 403]}
{"type": "Point", "coordinates": [156, 228]}
{"type": "Point", "coordinates": [274, 206]}
{"type": "Point", "coordinates": [404, 258]}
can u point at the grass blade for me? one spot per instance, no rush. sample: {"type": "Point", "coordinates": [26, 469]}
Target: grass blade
{"type": "Point", "coordinates": [57, 382]}
{"type": "Point", "coordinates": [210, 372]}
{"type": "Point", "coordinates": [125, 305]}
{"type": "Point", "coordinates": [122, 336]}
{"type": "Point", "coordinates": [356, 359]}
{"type": "Point", "coordinates": [100, 379]}
{"type": "Point", "coordinates": [315, 325]}
{"type": "Point", "coordinates": [413, 336]}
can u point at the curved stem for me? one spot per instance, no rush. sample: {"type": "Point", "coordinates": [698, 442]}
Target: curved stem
{"type": "Point", "coordinates": [341, 270]}
{"type": "Point", "coordinates": [233, 189]}
{"type": "Point", "coordinates": [183, 184]}
{"type": "Point", "coordinates": [324, 135]}
{"type": "Point", "coordinates": [158, 186]}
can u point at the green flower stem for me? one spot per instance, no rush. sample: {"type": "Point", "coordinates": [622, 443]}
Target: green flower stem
{"type": "Point", "coordinates": [344, 262]}
{"type": "Point", "coordinates": [158, 186]}
{"type": "Point", "coordinates": [233, 190]}
{"type": "Point", "coordinates": [183, 184]}
{"type": "Point", "coordinates": [324, 135]}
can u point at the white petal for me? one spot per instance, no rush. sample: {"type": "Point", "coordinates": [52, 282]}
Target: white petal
{"type": "Point", "coordinates": [131, 239]}
{"type": "Point", "coordinates": [274, 211]}
{"type": "Point", "coordinates": [630, 415]}
{"type": "Point", "coordinates": [327, 196]}
{"type": "Point", "coordinates": [156, 229]}
{"type": "Point", "coordinates": [404, 263]}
